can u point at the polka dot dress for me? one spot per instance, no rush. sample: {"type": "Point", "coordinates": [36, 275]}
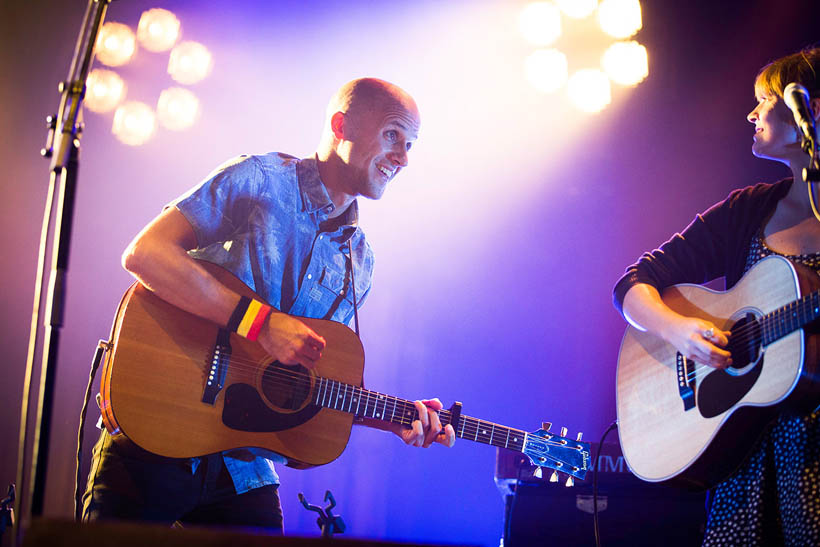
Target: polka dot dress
{"type": "Point", "coordinates": [774, 498]}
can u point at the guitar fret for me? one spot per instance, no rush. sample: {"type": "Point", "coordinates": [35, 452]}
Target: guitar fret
{"type": "Point", "coordinates": [507, 441]}
{"type": "Point", "coordinates": [408, 414]}
{"type": "Point", "coordinates": [376, 412]}
{"type": "Point", "coordinates": [393, 414]}
{"type": "Point", "coordinates": [339, 396]}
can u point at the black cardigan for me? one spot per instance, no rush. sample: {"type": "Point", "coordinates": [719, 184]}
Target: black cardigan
{"type": "Point", "coordinates": [714, 245]}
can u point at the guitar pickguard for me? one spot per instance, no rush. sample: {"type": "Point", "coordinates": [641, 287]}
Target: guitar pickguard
{"type": "Point", "coordinates": [720, 390]}
{"type": "Point", "coordinates": [245, 410]}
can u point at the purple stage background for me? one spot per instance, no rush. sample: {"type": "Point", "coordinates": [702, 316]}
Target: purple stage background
{"type": "Point", "coordinates": [496, 249]}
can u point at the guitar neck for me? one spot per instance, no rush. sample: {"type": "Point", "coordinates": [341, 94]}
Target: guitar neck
{"type": "Point", "coordinates": [372, 404]}
{"type": "Point", "coordinates": [790, 317]}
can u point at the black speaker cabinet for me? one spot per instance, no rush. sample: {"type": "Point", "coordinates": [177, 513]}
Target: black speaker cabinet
{"type": "Point", "coordinates": [631, 512]}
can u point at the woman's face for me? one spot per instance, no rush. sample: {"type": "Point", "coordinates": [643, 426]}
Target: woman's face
{"type": "Point", "coordinates": [776, 135]}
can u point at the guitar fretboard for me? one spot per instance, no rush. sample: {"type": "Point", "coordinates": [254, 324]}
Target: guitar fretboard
{"type": "Point", "coordinates": [372, 404]}
{"type": "Point", "coordinates": [790, 317]}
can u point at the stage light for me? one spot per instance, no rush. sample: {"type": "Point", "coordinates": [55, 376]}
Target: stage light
{"type": "Point", "coordinates": [190, 62]}
{"type": "Point", "coordinates": [158, 29]}
{"type": "Point", "coordinates": [620, 18]}
{"type": "Point", "coordinates": [546, 69]}
{"type": "Point", "coordinates": [134, 123]}
{"type": "Point", "coordinates": [540, 22]}
{"type": "Point", "coordinates": [116, 44]}
{"type": "Point", "coordinates": [589, 90]}
{"type": "Point", "coordinates": [577, 9]}
{"type": "Point", "coordinates": [626, 63]}
{"type": "Point", "coordinates": [104, 89]}
{"type": "Point", "coordinates": [177, 108]}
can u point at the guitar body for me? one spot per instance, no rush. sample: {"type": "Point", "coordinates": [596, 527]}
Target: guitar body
{"type": "Point", "coordinates": [702, 442]}
{"type": "Point", "coordinates": [155, 376]}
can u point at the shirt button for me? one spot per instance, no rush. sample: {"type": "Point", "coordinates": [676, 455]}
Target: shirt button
{"type": "Point", "coordinates": [321, 237]}
{"type": "Point", "coordinates": [310, 276]}
{"type": "Point", "coordinates": [342, 292]}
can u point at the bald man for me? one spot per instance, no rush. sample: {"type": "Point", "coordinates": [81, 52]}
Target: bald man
{"type": "Point", "coordinates": [288, 228]}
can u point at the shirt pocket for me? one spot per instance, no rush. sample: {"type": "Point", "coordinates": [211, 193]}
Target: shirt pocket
{"type": "Point", "coordinates": [335, 290]}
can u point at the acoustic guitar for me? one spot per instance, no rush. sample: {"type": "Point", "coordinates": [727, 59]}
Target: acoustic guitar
{"type": "Point", "coordinates": [179, 386]}
{"type": "Point", "coordinates": [683, 422]}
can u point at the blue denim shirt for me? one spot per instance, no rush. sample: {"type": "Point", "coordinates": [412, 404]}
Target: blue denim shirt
{"type": "Point", "coordinates": [260, 217]}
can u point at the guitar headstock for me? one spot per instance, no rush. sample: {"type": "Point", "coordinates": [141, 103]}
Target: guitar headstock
{"type": "Point", "coordinates": [545, 449]}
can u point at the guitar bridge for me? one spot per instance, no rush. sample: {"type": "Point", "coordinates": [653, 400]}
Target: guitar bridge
{"type": "Point", "coordinates": [686, 387]}
{"type": "Point", "coordinates": [220, 359]}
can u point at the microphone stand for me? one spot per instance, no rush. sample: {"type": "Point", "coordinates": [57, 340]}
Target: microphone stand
{"type": "Point", "coordinates": [62, 147]}
{"type": "Point", "coordinates": [811, 174]}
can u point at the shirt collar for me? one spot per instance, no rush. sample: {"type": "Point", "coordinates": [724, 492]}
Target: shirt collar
{"type": "Point", "coordinates": [315, 197]}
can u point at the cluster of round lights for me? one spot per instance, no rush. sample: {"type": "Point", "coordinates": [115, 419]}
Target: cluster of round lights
{"type": "Point", "coordinates": [623, 62]}
{"type": "Point", "coordinates": [189, 62]}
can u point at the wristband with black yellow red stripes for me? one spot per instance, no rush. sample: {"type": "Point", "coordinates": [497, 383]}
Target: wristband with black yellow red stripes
{"type": "Point", "coordinates": [248, 317]}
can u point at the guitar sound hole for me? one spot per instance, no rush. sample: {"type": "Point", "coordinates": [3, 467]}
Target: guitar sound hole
{"type": "Point", "coordinates": [744, 343]}
{"type": "Point", "coordinates": [286, 386]}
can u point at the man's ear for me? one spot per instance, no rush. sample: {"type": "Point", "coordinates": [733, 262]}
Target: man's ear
{"type": "Point", "coordinates": [815, 108]}
{"type": "Point", "coordinates": [337, 125]}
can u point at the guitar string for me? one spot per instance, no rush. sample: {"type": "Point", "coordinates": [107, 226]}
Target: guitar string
{"type": "Point", "coordinates": [748, 332]}
{"type": "Point", "coordinates": [759, 329]}
{"type": "Point", "coordinates": [769, 322]}
{"type": "Point", "coordinates": [242, 365]}
{"type": "Point", "coordinates": [470, 428]}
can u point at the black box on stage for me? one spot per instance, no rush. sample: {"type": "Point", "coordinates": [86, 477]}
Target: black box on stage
{"type": "Point", "coordinates": [631, 512]}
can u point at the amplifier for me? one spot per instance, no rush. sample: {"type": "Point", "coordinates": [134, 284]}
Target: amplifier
{"type": "Point", "coordinates": [631, 512]}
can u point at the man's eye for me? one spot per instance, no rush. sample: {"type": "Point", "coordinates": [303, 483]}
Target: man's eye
{"type": "Point", "coordinates": [391, 136]}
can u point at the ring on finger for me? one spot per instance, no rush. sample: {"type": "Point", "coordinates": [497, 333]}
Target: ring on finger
{"type": "Point", "coordinates": [709, 333]}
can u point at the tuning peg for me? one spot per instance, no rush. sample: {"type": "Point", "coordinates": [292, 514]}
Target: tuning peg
{"type": "Point", "coordinates": [554, 476]}
{"type": "Point", "coordinates": [579, 436]}
{"type": "Point", "coordinates": [563, 431]}
{"type": "Point", "coordinates": [537, 473]}
{"type": "Point", "coordinates": [570, 481]}
{"type": "Point", "coordinates": [546, 426]}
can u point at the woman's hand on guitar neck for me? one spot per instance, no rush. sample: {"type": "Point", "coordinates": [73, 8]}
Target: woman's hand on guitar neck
{"type": "Point", "coordinates": [290, 340]}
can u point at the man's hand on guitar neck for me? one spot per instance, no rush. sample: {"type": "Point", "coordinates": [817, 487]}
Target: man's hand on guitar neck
{"type": "Point", "coordinates": [424, 431]}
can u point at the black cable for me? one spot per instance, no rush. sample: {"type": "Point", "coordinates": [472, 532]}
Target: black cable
{"type": "Point", "coordinates": [612, 426]}
{"type": "Point", "coordinates": [98, 353]}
